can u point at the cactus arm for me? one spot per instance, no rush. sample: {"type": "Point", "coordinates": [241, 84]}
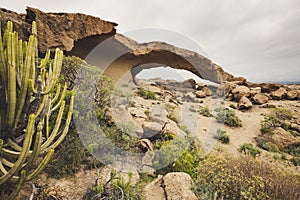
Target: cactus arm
{"type": "Point", "coordinates": [24, 81]}
{"type": "Point", "coordinates": [56, 127]}
{"type": "Point", "coordinates": [14, 145]}
{"type": "Point", "coordinates": [42, 165]}
{"type": "Point", "coordinates": [23, 153]}
{"type": "Point", "coordinates": [56, 71]}
{"type": "Point", "coordinates": [19, 186]}
{"type": "Point", "coordinates": [61, 99]}
{"type": "Point", "coordinates": [45, 60]}
{"type": "Point", "coordinates": [66, 128]}
{"type": "Point", "coordinates": [20, 58]}
{"type": "Point", "coordinates": [37, 145]}
{"type": "Point", "coordinates": [11, 80]}
{"type": "Point", "coordinates": [42, 105]}
{"type": "Point", "coordinates": [56, 93]}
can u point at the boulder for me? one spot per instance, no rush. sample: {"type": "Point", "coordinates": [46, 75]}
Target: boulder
{"type": "Point", "coordinates": [279, 94]}
{"type": "Point", "coordinates": [154, 190]}
{"type": "Point", "coordinates": [255, 91]}
{"type": "Point", "coordinates": [240, 91]}
{"type": "Point", "coordinates": [269, 87]}
{"type": "Point", "coordinates": [151, 129]}
{"type": "Point", "coordinates": [225, 89]}
{"type": "Point", "coordinates": [178, 185]}
{"type": "Point", "coordinates": [189, 83]}
{"type": "Point", "coordinates": [200, 94]}
{"type": "Point", "coordinates": [292, 94]}
{"type": "Point", "coordinates": [260, 98]}
{"type": "Point", "coordinates": [171, 128]}
{"type": "Point", "coordinates": [158, 114]}
{"type": "Point", "coordinates": [244, 103]}
{"type": "Point", "coordinates": [200, 86]}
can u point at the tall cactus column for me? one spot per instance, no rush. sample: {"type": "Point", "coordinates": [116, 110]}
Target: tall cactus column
{"type": "Point", "coordinates": [30, 94]}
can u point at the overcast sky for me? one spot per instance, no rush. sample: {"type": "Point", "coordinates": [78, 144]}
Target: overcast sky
{"type": "Point", "coordinates": [257, 39]}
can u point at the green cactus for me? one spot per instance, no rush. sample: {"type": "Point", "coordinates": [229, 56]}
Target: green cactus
{"type": "Point", "coordinates": [29, 95]}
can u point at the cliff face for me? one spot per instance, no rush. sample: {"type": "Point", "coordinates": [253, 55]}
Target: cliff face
{"type": "Point", "coordinates": [80, 35]}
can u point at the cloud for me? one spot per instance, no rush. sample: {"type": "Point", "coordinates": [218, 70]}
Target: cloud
{"type": "Point", "coordinates": [256, 39]}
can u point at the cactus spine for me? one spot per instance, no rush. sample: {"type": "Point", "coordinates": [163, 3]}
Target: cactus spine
{"type": "Point", "coordinates": [31, 93]}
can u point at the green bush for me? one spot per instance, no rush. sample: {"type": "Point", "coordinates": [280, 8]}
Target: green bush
{"type": "Point", "coordinates": [205, 111]}
{"type": "Point", "coordinates": [228, 117]}
{"type": "Point", "coordinates": [248, 148]}
{"type": "Point", "coordinates": [269, 146]}
{"type": "Point", "coordinates": [147, 94]}
{"type": "Point", "coordinates": [245, 178]}
{"type": "Point", "coordinates": [222, 136]}
{"type": "Point", "coordinates": [269, 123]}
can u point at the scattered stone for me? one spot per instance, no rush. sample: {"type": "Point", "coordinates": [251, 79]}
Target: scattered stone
{"type": "Point", "coordinates": [190, 97]}
{"type": "Point", "coordinates": [200, 94]}
{"type": "Point", "coordinates": [154, 190]}
{"type": "Point", "coordinates": [269, 87]}
{"type": "Point", "coordinates": [189, 83]}
{"type": "Point", "coordinates": [149, 170]}
{"type": "Point", "coordinates": [148, 158]}
{"type": "Point", "coordinates": [146, 144]}
{"type": "Point", "coordinates": [137, 112]}
{"type": "Point", "coordinates": [178, 185]}
{"type": "Point", "coordinates": [240, 91]}
{"type": "Point", "coordinates": [172, 128]}
{"type": "Point", "coordinates": [268, 105]}
{"type": "Point", "coordinates": [279, 94]}
{"type": "Point", "coordinates": [255, 91]}
{"type": "Point", "coordinates": [293, 94]}
{"type": "Point", "coordinates": [260, 98]}
{"type": "Point", "coordinates": [158, 114]}
{"type": "Point", "coordinates": [244, 103]}
{"type": "Point", "coordinates": [201, 86]}
{"type": "Point", "coordinates": [151, 129]}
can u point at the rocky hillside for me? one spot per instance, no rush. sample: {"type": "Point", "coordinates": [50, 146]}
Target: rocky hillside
{"type": "Point", "coordinates": [156, 118]}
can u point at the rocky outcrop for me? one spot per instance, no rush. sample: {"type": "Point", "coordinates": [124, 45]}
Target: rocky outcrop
{"type": "Point", "coordinates": [79, 34]}
{"type": "Point", "coordinates": [173, 186]}
{"type": "Point", "coordinates": [59, 30]}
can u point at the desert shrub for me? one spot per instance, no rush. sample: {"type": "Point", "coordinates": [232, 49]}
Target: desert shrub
{"type": "Point", "coordinates": [205, 111]}
{"type": "Point", "coordinates": [228, 117]}
{"type": "Point", "coordinates": [171, 112]}
{"type": "Point", "coordinates": [269, 146]}
{"type": "Point", "coordinates": [147, 113]}
{"type": "Point", "coordinates": [188, 160]}
{"type": "Point", "coordinates": [115, 188]}
{"type": "Point", "coordinates": [245, 178]}
{"type": "Point", "coordinates": [282, 113]}
{"type": "Point", "coordinates": [269, 123]}
{"type": "Point", "coordinates": [248, 148]}
{"type": "Point", "coordinates": [147, 94]}
{"type": "Point", "coordinates": [222, 136]}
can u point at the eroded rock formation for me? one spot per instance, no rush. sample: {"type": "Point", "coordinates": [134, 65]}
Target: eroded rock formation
{"type": "Point", "coordinates": [95, 39]}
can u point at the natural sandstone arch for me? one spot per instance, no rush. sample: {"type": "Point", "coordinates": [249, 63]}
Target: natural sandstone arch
{"type": "Point", "coordinates": [119, 55]}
